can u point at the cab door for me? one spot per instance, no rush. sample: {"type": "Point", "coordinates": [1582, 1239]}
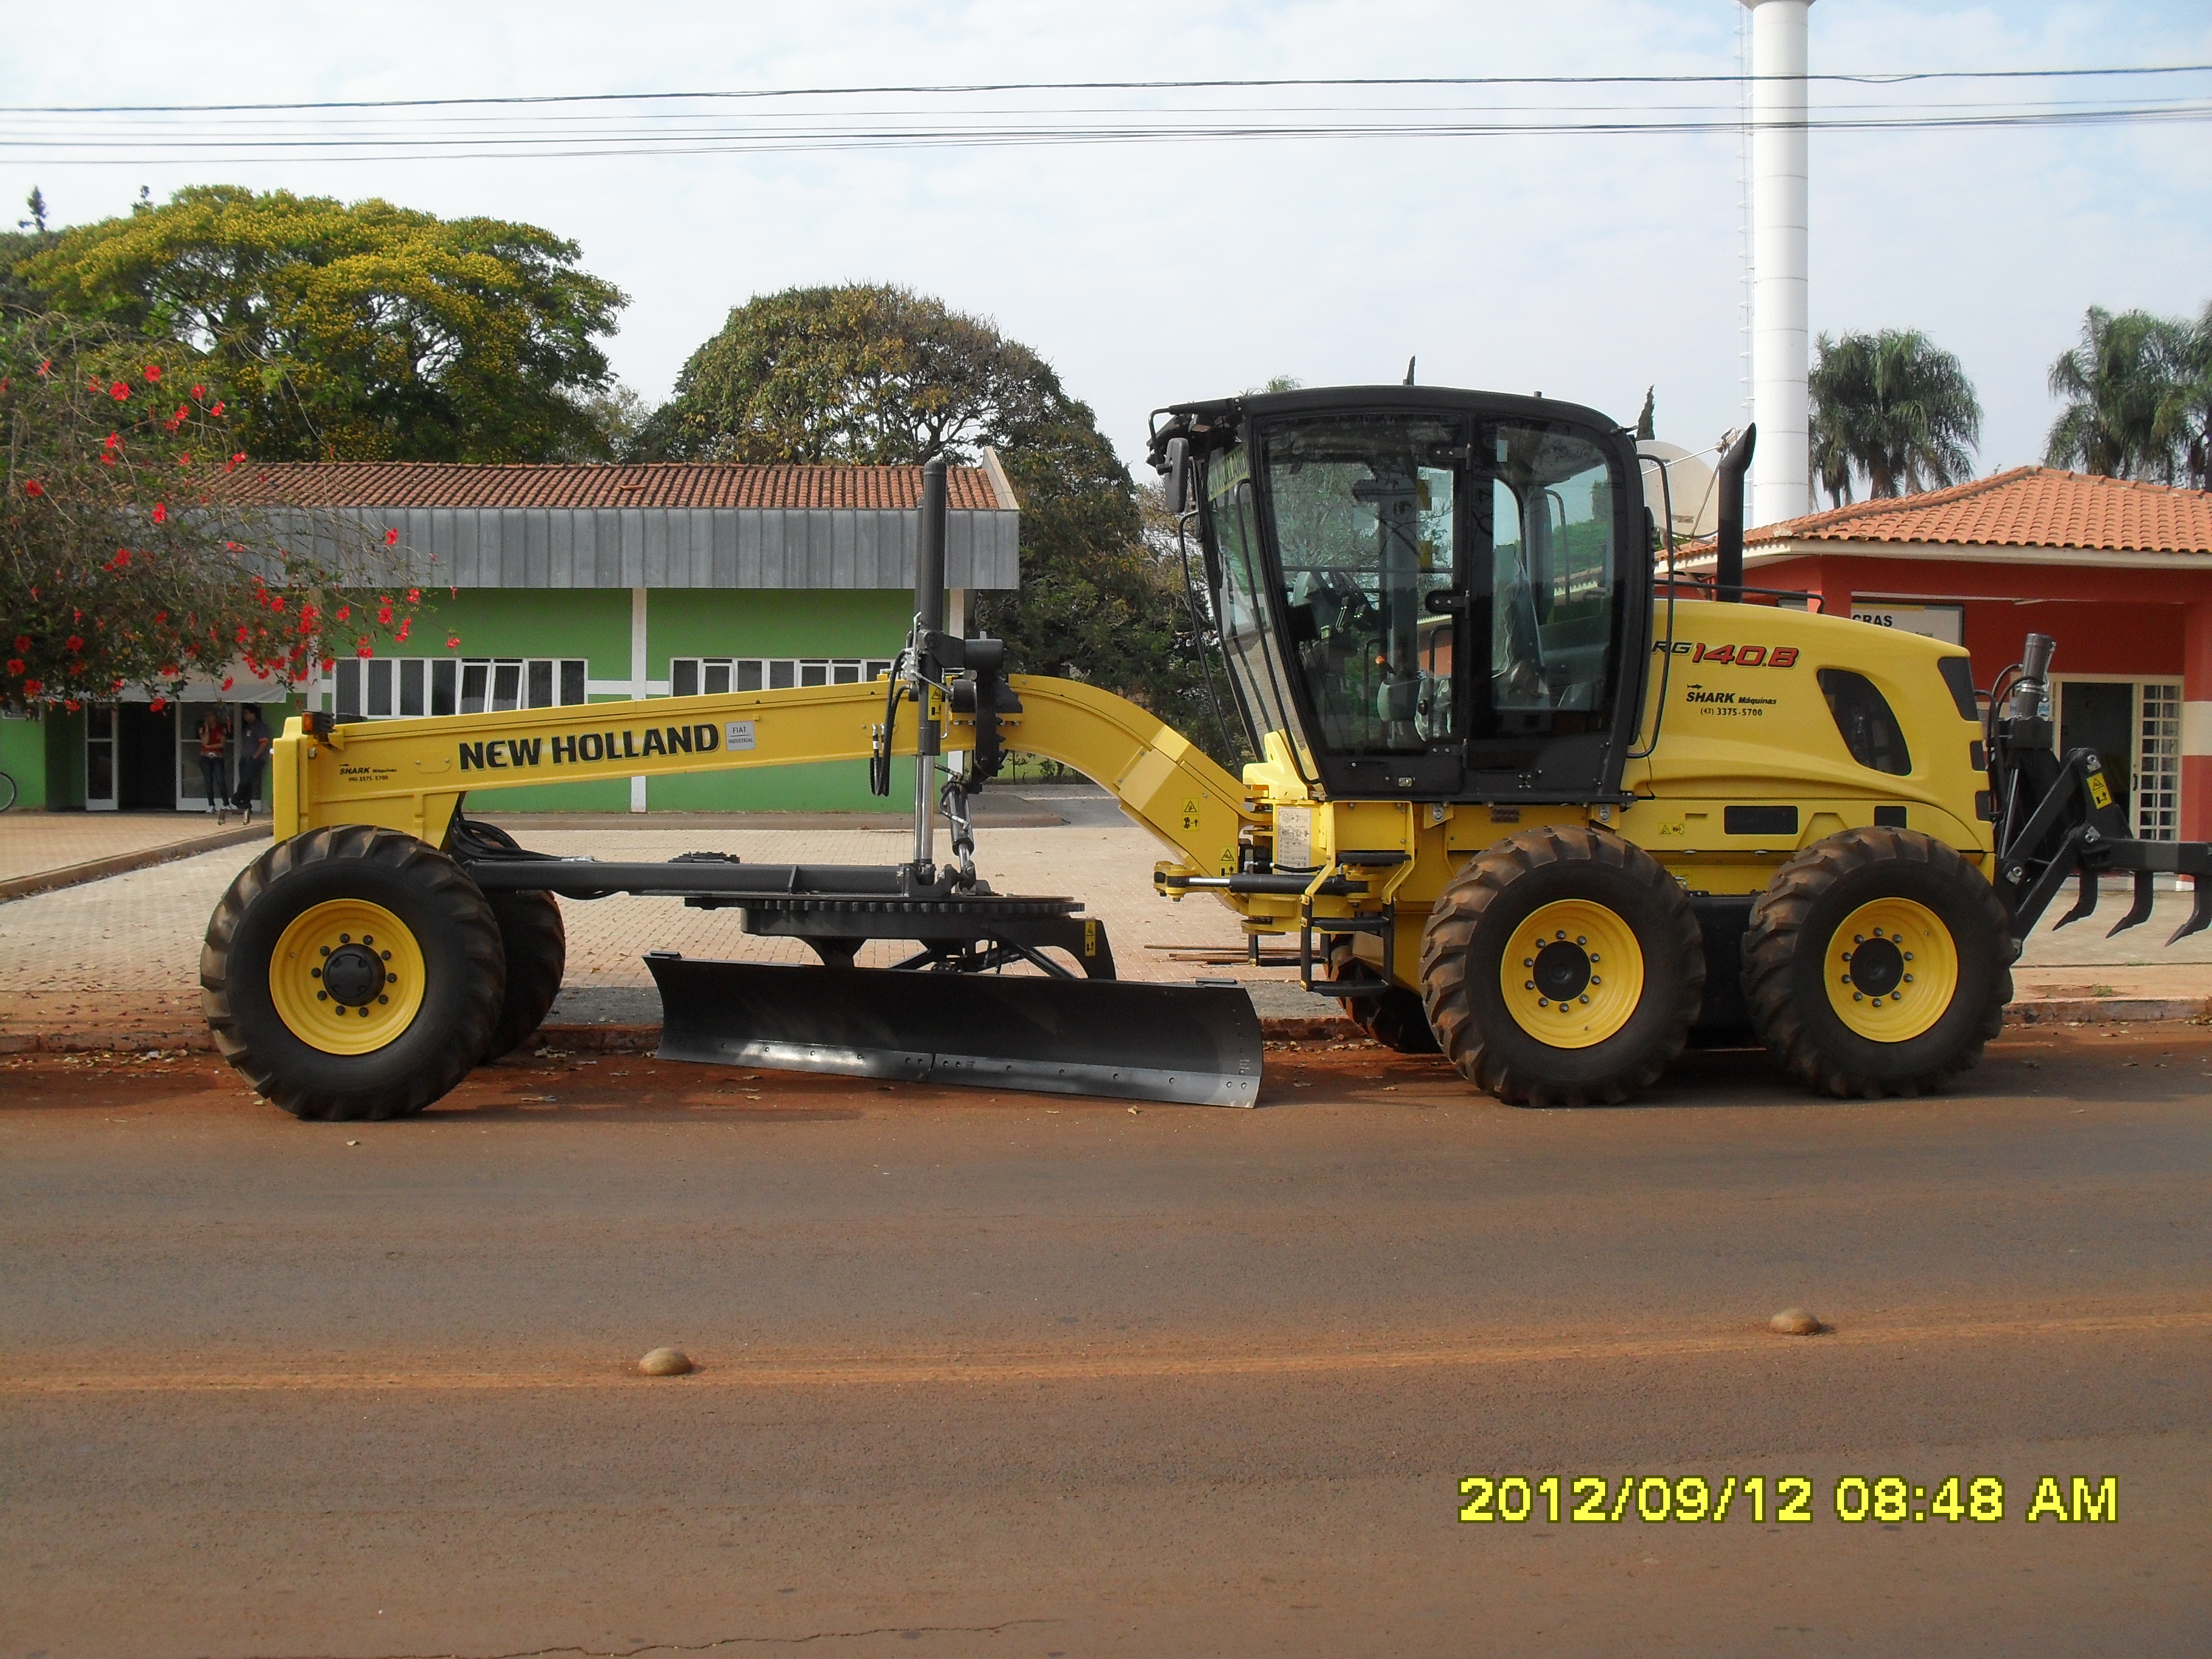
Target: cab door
{"type": "Point", "coordinates": [1553, 687]}
{"type": "Point", "coordinates": [1367, 513]}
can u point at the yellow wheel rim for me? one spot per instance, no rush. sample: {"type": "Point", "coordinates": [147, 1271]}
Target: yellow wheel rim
{"type": "Point", "coordinates": [1572, 974]}
{"type": "Point", "coordinates": [1892, 970]}
{"type": "Point", "coordinates": [346, 977]}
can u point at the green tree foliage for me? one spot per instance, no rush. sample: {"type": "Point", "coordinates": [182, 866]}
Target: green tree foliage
{"type": "Point", "coordinates": [2197, 405]}
{"type": "Point", "coordinates": [29, 237]}
{"type": "Point", "coordinates": [618, 418]}
{"type": "Point", "coordinates": [2138, 395]}
{"type": "Point", "coordinates": [354, 331]}
{"type": "Point", "coordinates": [1647, 422]}
{"type": "Point", "coordinates": [881, 375]}
{"type": "Point", "coordinates": [1890, 407]}
{"type": "Point", "coordinates": [128, 552]}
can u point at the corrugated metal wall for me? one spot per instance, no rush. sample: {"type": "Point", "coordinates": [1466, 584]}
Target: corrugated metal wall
{"type": "Point", "coordinates": [679, 547]}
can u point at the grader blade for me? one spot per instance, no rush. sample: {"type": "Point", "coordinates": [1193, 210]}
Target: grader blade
{"type": "Point", "coordinates": [1195, 1045]}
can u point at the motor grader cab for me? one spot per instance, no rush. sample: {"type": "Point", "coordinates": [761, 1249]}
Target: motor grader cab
{"type": "Point", "coordinates": [1515, 800]}
{"type": "Point", "coordinates": [1529, 805]}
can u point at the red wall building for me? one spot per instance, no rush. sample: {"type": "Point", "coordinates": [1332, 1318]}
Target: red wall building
{"type": "Point", "coordinates": [2119, 574]}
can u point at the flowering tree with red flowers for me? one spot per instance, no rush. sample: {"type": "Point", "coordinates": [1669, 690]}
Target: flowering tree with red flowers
{"type": "Point", "coordinates": [131, 553]}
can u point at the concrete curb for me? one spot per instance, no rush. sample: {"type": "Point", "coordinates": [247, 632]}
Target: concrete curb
{"type": "Point", "coordinates": [640, 1039]}
{"type": "Point", "coordinates": [2059, 1011]}
{"type": "Point", "coordinates": [121, 864]}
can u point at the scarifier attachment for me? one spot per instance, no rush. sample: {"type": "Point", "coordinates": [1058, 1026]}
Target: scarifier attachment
{"type": "Point", "coordinates": [2055, 819]}
{"type": "Point", "coordinates": [2085, 902]}
{"type": "Point", "coordinates": [2200, 913]}
{"type": "Point", "coordinates": [2139, 912]}
{"type": "Point", "coordinates": [1197, 1045]}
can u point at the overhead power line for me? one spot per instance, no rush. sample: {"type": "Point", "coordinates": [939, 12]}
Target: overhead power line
{"type": "Point", "coordinates": [597, 125]}
{"type": "Point", "coordinates": [145, 147]}
{"type": "Point", "coordinates": [970, 88]}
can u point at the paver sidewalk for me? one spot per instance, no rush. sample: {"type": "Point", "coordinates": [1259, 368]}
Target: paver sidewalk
{"type": "Point", "coordinates": [37, 844]}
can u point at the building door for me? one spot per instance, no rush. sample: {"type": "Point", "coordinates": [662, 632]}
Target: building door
{"type": "Point", "coordinates": [100, 758]}
{"type": "Point", "coordinates": [145, 757]}
{"type": "Point", "coordinates": [2100, 715]}
{"type": "Point", "coordinates": [2158, 760]}
{"type": "Point", "coordinates": [2134, 727]}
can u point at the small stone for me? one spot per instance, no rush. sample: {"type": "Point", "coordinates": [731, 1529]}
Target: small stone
{"type": "Point", "coordinates": [665, 1362]}
{"type": "Point", "coordinates": [1133, 1111]}
{"type": "Point", "coordinates": [353, 1143]}
{"type": "Point", "coordinates": [1794, 1321]}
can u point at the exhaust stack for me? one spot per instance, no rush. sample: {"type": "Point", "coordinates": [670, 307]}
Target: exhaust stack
{"type": "Point", "coordinates": [1728, 534]}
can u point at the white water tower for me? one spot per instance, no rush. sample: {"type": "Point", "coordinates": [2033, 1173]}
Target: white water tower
{"type": "Point", "coordinates": [1780, 467]}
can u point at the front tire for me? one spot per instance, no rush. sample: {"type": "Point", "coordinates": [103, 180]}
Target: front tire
{"type": "Point", "coordinates": [1563, 967]}
{"type": "Point", "coordinates": [352, 973]}
{"type": "Point", "coordinates": [1879, 962]}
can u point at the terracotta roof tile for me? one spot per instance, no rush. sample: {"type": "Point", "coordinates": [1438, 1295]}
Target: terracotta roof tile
{"type": "Point", "coordinates": [2023, 506]}
{"type": "Point", "coordinates": [665, 484]}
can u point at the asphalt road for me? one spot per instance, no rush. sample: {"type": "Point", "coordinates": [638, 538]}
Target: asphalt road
{"type": "Point", "coordinates": [1025, 1376]}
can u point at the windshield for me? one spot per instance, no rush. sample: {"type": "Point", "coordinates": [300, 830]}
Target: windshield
{"type": "Point", "coordinates": [1365, 511]}
{"type": "Point", "coordinates": [1240, 600]}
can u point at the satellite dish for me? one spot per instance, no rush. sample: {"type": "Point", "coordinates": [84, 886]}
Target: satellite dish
{"type": "Point", "coordinates": [1690, 488]}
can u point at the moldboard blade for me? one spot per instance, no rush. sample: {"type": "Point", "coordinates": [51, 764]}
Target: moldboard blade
{"type": "Point", "coordinates": [1198, 1045]}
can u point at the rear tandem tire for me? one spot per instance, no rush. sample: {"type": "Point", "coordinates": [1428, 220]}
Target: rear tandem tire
{"type": "Point", "coordinates": [1562, 1034]}
{"type": "Point", "coordinates": [534, 942]}
{"type": "Point", "coordinates": [405, 1008]}
{"type": "Point", "coordinates": [1395, 1019]}
{"type": "Point", "coordinates": [1838, 1025]}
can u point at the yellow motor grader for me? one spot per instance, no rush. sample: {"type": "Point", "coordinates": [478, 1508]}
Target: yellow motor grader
{"type": "Point", "coordinates": [1521, 799]}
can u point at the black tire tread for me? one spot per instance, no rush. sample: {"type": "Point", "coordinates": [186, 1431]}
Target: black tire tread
{"type": "Point", "coordinates": [1776, 937]}
{"type": "Point", "coordinates": [535, 942]}
{"type": "Point", "coordinates": [1445, 948]}
{"type": "Point", "coordinates": [403, 855]}
{"type": "Point", "coordinates": [1395, 1019]}
{"type": "Point", "coordinates": [1345, 968]}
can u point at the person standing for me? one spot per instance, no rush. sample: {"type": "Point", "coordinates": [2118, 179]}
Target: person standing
{"type": "Point", "coordinates": [252, 753]}
{"type": "Point", "coordinates": [215, 738]}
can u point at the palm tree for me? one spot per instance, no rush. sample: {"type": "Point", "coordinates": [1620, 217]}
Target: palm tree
{"type": "Point", "coordinates": [1894, 408]}
{"type": "Point", "coordinates": [2129, 389]}
{"type": "Point", "coordinates": [2197, 403]}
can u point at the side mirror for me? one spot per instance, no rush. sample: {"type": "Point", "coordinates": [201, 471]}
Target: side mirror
{"type": "Point", "coordinates": [1177, 483]}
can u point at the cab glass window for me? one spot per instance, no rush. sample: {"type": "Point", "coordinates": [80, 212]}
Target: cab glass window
{"type": "Point", "coordinates": [1864, 715]}
{"type": "Point", "coordinates": [1553, 574]}
{"type": "Point", "coordinates": [1366, 515]}
{"type": "Point", "coordinates": [1240, 597]}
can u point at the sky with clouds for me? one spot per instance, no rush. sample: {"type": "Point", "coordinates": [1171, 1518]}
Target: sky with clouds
{"type": "Point", "coordinates": [1584, 265]}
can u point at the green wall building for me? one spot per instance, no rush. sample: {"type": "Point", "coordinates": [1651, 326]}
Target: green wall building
{"type": "Point", "coordinates": [575, 584]}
